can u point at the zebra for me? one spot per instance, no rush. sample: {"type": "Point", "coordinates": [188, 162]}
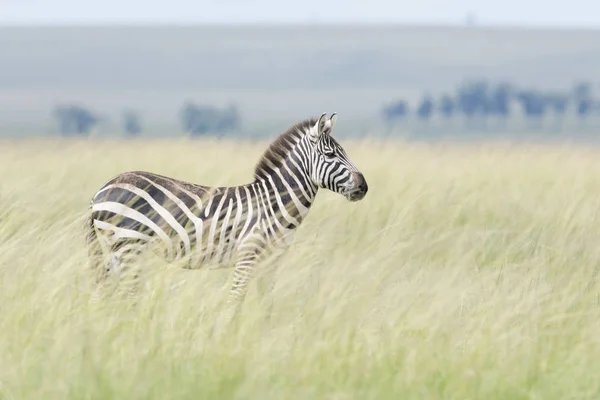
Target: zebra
{"type": "Point", "coordinates": [218, 227]}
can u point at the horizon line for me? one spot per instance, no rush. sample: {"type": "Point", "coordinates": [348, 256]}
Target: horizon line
{"type": "Point", "coordinates": [296, 24]}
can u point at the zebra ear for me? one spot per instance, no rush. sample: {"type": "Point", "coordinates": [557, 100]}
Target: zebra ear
{"type": "Point", "coordinates": [331, 123]}
{"type": "Point", "coordinates": [321, 124]}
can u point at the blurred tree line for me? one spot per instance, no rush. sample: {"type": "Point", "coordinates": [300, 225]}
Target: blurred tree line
{"type": "Point", "coordinates": [196, 120]}
{"type": "Point", "coordinates": [205, 120]}
{"type": "Point", "coordinates": [479, 105]}
{"type": "Point", "coordinates": [479, 102]}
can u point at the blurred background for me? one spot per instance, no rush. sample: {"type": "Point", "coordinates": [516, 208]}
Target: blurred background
{"type": "Point", "coordinates": [425, 70]}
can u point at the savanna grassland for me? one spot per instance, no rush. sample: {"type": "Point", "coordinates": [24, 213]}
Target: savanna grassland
{"type": "Point", "coordinates": [467, 272]}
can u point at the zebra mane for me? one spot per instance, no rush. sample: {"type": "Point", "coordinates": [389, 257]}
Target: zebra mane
{"type": "Point", "coordinates": [281, 146]}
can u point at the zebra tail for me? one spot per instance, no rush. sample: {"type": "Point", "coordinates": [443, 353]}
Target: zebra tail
{"type": "Point", "coordinates": [93, 244]}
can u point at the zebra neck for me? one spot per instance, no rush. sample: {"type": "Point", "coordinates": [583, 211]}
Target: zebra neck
{"type": "Point", "coordinates": [289, 193]}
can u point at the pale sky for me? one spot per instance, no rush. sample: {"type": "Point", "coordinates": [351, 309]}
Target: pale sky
{"type": "Point", "coordinates": [555, 13]}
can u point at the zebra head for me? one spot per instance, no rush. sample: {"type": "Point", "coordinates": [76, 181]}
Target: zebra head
{"type": "Point", "coordinates": [331, 167]}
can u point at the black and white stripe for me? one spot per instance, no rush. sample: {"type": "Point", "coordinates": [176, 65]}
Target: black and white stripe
{"type": "Point", "coordinates": [237, 226]}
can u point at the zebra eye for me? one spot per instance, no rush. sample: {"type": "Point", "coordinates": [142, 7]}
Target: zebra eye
{"type": "Point", "coordinates": [329, 153]}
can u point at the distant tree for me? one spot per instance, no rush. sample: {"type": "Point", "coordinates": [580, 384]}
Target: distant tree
{"type": "Point", "coordinates": [584, 107]}
{"type": "Point", "coordinates": [558, 103]}
{"type": "Point", "coordinates": [447, 106]}
{"type": "Point", "coordinates": [471, 19]}
{"type": "Point", "coordinates": [230, 119]}
{"type": "Point", "coordinates": [207, 120]}
{"type": "Point", "coordinates": [397, 110]}
{"type": "Point", "coordinates": [498, 102]}
{"type": "Point", "coordinates": [473, 99]}
{"type": "Point", "coordinates": [583, 98]}
{"type": "Point", "coordinates": [500, 99]}
{"type": "Point", "coordinates": [534, 105]}
{"type": "Point", "coordinates": [188, 117]}
{"type": "Point", "coordinates": [132, 123]}
{"type": "Point", "coordinates": [425, 108]}
{"type": "Point", "coordinates": [582, 91]}
{"type": "Point", "coordinates": [75, 120]}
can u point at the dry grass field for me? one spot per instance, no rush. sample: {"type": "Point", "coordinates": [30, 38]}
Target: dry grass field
{"type": "Point", "coordinates": [467, 272]}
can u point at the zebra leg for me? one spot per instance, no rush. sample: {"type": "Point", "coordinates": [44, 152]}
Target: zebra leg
{"type": "Point", "coordinates": [122, 269]}
{"type": "Point", "coordinates": [101, 284]}
{"type": "Point", "coordinates": [128, 268]}
{"type": "Point", "coordinates": [266, 284]}
{"type": "Point", "coordinates": [242, 275]}
{"type": "Point", "coordinates": [101, 262]}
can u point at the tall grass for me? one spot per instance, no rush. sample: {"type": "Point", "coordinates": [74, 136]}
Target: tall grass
{"type": "Point", "coordinates": [467, 272]}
